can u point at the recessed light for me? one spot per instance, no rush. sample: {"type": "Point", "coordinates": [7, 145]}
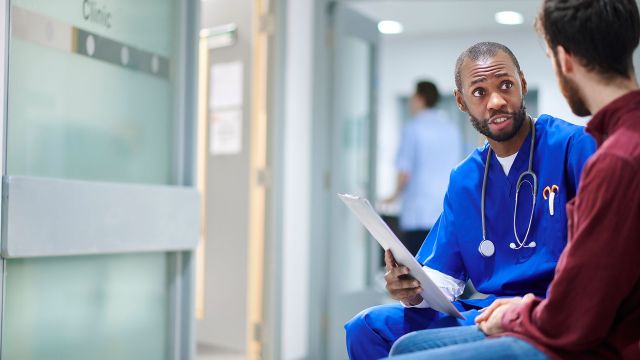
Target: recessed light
{"type": "Point", "coordinates": [390, 27]}
{"type": "Point", "coordinates": [509, 18]}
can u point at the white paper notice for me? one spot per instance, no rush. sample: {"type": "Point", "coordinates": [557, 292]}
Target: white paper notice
{"type": "Point", "coordinates": [225, 132]}
{"type": "Point", "coordinates": [226, 85]}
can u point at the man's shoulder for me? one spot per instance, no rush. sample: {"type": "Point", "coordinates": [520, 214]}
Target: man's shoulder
{"type": "Point", "coordinates": [472, 165]}
{"type": "Point", "coordinates": [559, 134]}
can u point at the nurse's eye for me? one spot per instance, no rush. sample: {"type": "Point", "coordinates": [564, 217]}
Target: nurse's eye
{"type": "Point", "coordinates": [506, 85]}
{"type": "Point", "coordinates": [478, 92]}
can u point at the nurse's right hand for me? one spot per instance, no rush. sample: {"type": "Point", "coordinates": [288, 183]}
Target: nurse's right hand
{"type": "Point", "coordinates": [400, 284]}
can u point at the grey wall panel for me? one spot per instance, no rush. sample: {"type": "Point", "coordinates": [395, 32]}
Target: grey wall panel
{"type": "Point", "coordinates": [53, 217]}
{"type": "Point", "coordinates": [227, 200]}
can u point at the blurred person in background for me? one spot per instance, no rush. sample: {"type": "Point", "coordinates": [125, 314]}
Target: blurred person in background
{"type": "Point", "coordinates": [430, 147]}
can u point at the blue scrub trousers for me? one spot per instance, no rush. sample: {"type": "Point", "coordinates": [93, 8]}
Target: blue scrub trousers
{"type": "Point", "coordinates": [462, 343]}
{"type": "Point", "coordinates": [372, 332]}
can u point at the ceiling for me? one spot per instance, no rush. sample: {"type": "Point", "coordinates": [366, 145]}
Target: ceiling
{"type": "Point", "coordinates": [421, 17]}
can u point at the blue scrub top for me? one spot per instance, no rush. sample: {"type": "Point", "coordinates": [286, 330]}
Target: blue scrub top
{"type": "Point", "coordinates": [560, 152]}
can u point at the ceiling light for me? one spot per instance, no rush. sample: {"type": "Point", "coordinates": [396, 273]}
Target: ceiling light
{"type": "Point", "coordinates": [390, 27]}
{"type": "Point", "coordinates": [509, 18]}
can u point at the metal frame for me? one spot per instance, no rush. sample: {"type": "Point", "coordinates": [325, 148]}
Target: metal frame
{"type": "Point", "coordinates": [182, 320]}
{"type": "Point", "coordinates": [4, 68]}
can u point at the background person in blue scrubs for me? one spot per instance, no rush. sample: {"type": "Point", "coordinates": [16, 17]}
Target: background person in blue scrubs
{"type": "Point", "coordinates": [490, 88]}
{"type": "Point", "coordinates": [423, 165]}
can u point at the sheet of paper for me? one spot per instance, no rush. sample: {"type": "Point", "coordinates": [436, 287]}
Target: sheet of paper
{"type": "Point", "coordinates": [363, 210]}
{"type": "Point", "coordinates": [225, 132]}
{"type": "Point", "coordinates": [226, 85]}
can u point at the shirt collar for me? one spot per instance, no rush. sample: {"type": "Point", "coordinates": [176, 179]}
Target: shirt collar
{"type": "Point", "coordinates": [611, 117]}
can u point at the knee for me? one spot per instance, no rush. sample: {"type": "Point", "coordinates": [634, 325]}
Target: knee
{"type": "Point", "coordinates": [358, 325]}
{"type": "Point", "coordinates": [403, 345]}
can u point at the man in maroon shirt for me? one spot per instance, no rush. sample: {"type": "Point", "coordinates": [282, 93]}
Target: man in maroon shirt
{"type": "Point", "coordinates": [592, 309]}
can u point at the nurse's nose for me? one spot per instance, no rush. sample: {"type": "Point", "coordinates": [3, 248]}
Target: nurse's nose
{"type": "Point", "coordinates": [496, 102]}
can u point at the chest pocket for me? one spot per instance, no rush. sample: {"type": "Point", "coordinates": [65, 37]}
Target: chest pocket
{"type": "Point", "coordinates": [554, 220]}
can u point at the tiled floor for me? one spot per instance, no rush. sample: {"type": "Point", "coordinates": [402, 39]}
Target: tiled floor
{"type": "Point", "coordinates": [208, 352]}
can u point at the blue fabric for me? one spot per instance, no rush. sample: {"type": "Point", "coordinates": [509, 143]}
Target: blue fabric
{"type": "Point", "coordinates": [560, 151]}
{"type": "Point", "coordinates": [372, 332]}
{"type": "Point", "coordinates": [430, 147]}
{"type": "Point", "coordinates": [462, 343]}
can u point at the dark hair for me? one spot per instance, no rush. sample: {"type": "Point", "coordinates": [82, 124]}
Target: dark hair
{"type": "Point", "coordinates": [481, 51]}
{"type": "Point", "coordinates": [602, 34]}
{"type": "Point", "coordinates": [428, 92]}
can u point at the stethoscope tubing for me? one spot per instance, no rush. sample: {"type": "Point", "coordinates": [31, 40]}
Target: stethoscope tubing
{"type": "Point", "coordinates": [534, 187]}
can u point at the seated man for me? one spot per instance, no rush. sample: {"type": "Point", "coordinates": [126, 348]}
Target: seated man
{"type": "Point", "coordinates": [592, 310]}
{"type": "Point", "coordinates": [504, 221]}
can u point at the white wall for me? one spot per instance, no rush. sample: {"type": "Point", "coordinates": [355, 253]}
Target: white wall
{"type": "Point", "coordinates": [403, 61]}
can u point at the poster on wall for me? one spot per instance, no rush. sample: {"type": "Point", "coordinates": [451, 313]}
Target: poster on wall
{"type": "Point", "coordinates": [225, 132]}
{"type": "Point", "coordinates": [225, 108]}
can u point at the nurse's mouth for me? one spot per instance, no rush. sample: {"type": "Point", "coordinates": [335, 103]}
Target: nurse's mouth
{"type": "Point", "coordinates": [499, 122]}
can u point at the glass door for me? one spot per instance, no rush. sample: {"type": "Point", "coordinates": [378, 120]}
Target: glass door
{"type": "Point", "coordinates": [354, 69]}
{"type": "Point", "coordinates": [99, 211]}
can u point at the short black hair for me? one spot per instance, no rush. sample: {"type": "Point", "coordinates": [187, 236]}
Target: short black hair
{"type": "Point", "coordinates": [428, 92]}
{"type": "Point", "coordinates": [602, 34]}
{"type": "Point", "coordinates": [481, 51]}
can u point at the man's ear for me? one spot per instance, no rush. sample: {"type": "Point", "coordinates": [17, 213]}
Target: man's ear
{"type": "Point", "coordinates": [458, 95]}
{"type": "Point", "coordinates": [565, 60]}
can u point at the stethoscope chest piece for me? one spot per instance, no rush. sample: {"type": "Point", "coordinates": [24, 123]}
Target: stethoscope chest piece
{"type": "Point", "coordinates": [486, 248]}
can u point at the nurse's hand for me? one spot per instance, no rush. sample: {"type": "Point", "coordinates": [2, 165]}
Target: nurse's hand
{"type": "Point", "coordinates": [400, 284]}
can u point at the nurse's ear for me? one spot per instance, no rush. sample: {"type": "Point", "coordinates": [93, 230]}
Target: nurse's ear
{"type": "Point", "coordinates": [523, 84]}
{"type": "Point", "coordinates": [459, 101]}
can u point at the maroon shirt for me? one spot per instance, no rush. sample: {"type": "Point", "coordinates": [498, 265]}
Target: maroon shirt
{"type": "Point", "coordinates": [592, 308]}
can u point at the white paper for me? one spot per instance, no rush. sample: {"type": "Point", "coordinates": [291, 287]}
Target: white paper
{"type": "Point", "coordinates": [225, 134]}
{"type": "Point", "coordinates": [226, 85]}
{"type": "Point", "coordinates": [363, 210]}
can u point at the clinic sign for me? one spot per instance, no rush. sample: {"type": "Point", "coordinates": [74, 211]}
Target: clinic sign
{"type": "Point", "coordinates": [96, 13]}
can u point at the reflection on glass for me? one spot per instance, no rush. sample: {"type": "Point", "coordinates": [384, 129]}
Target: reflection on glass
{"type": "Point", "coordinates": [354, 106]}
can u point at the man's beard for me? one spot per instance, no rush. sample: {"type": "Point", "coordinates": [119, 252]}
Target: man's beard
{"type": "Point", "coordinates": [518, 117]}
{"type": "Point", "coordinates": [571, 93]}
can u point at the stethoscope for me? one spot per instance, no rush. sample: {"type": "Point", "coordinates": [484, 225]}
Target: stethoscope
{"type": "Point", "coordinates": [487, 248]}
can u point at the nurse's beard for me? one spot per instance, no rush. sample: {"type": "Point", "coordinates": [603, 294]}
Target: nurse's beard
{"type": "Point", "coordinates": [483, 125]}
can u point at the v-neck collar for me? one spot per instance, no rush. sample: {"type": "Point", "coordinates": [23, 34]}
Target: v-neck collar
{"type": "Point", "coordinates": [520, 164]}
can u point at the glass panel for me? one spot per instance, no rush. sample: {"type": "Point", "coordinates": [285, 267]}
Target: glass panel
{"type": "Point", "coordinates": [91, 97]}
{"type": "Point", "coordinates": [354, 105]}
{"type": "Point", "coordinates": [87, 307]}
{"type": "Point", "coordinates": [90, 89]}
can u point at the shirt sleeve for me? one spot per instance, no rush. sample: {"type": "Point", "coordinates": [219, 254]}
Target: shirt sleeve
{"type": "Point", "coordinates": [597, 269]}
{"type": "Point", "coordinates": [440, 250]}
{"type": "Point", "coordinates": [580, 150]}
{"type": "Point", "coordinates": [451, 287]}
{"type": "Point", "coordinates": [404, 157]}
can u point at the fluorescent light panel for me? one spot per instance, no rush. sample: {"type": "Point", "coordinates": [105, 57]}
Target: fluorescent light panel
{"type": "Point", "coordinates": [509, 18]}
{"type": "Point", "coordinates": [390, 27]}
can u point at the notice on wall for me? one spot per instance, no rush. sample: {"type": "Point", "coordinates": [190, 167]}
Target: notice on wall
{"type": "Point", "coordinates": [226, 85]}
{"type": "Point", "coordinates": [225, 108]}
{"type": "Point", "coordinates": [225, 132]}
